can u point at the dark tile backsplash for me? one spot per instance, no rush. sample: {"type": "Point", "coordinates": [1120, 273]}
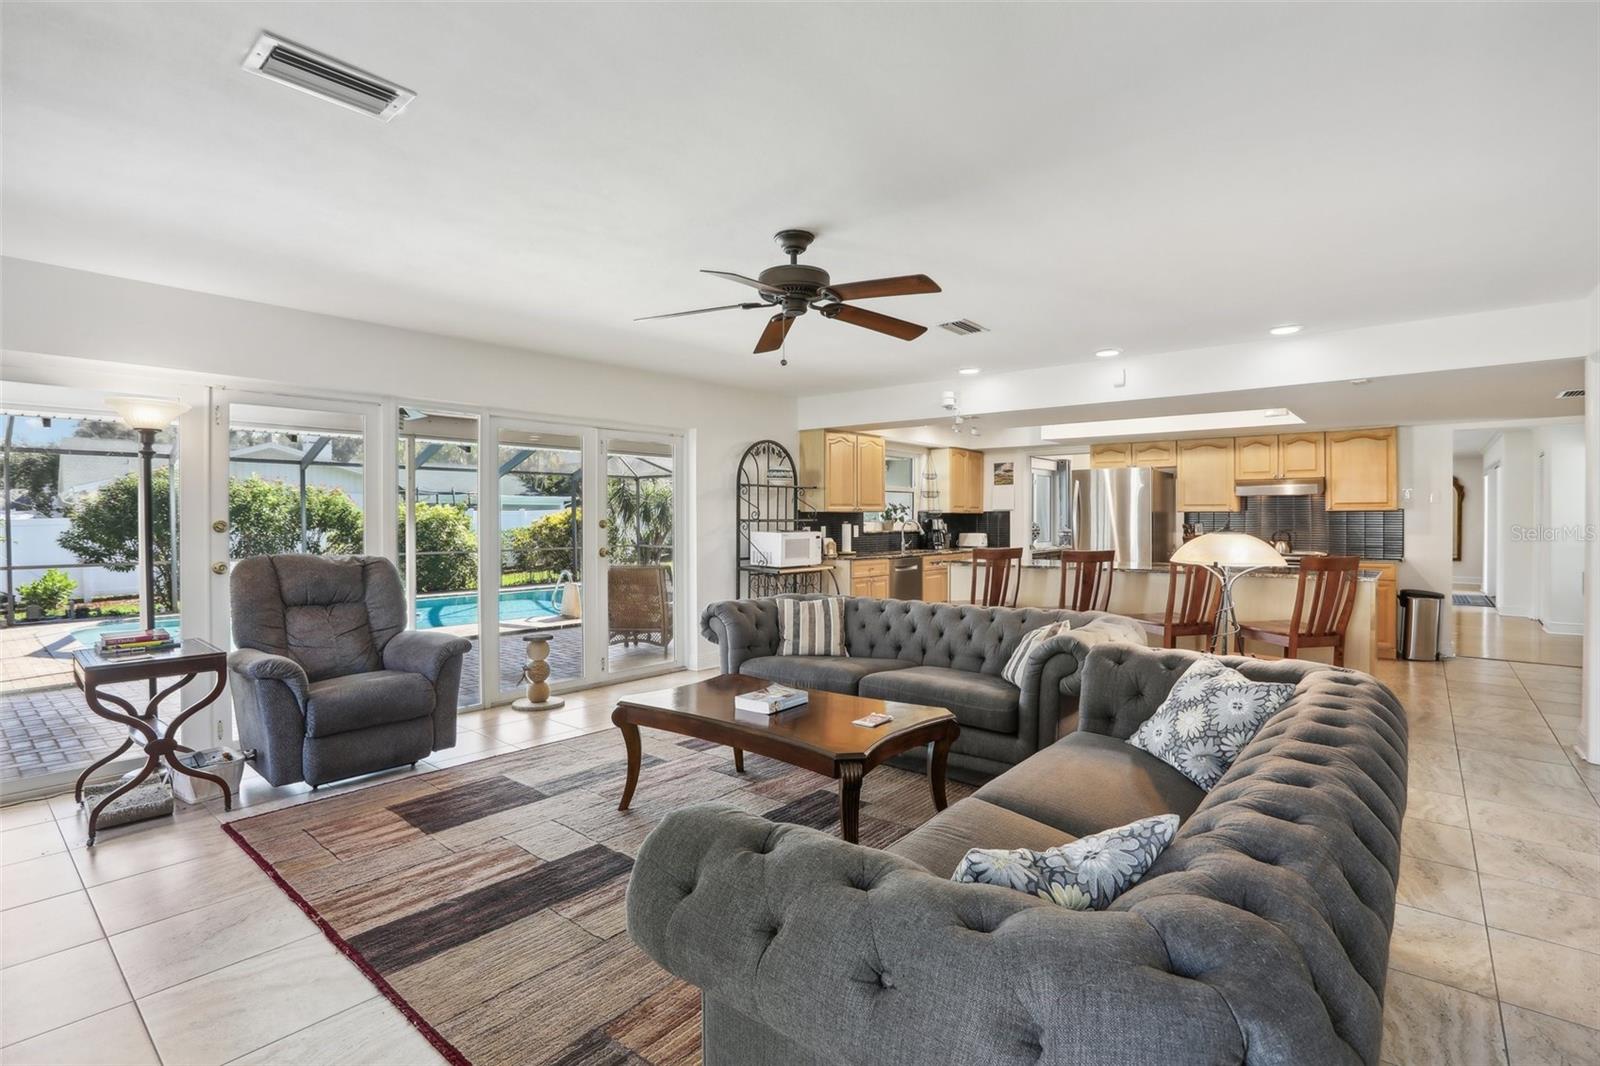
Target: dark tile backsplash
{"type": "Point", "coordinates": [996, 523]}
{"type": "Point", "coordinates": [1369, 534]}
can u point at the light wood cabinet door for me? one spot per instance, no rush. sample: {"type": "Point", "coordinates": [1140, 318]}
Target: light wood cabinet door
{"type": "Point", "coordinates": [1154, 453]}
{"type": "Point", "coordinates": [839, 471]}
{"type": "Point", "coordinates": [1205, 475]}
{"type": "Point", "coordinates": [1300, 455]}
{"type": "Point", "coordinates": [1363, 470]}
{"type": "Point", "coordinates": [1385, 608]}
{"type": "Point", "coordinates": [1107, 456]}
{"type": "Point", "coordinates": [974, 479]}
{"type": "Point", "coordinates": [869, 473]}
{"type": "Point", "coordinates": [1255, 458]}
{"type": "Point", "coordinates": [936, 581]}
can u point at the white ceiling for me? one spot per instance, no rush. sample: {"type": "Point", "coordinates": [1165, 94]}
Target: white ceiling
{"type": "Point", "coordinates": [1151, 177]}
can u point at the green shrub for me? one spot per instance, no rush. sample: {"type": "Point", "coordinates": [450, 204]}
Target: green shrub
{"type": "Point", "coordinates": [50, 592]}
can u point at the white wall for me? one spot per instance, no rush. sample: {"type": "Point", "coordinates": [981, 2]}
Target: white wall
{"type": "Point", "coordinates": [1426, 461]}
{"type": "Point", "coordinates": [1589, 732]}
{"type": "Point", "coordinates": [1513, 451]}
{"type": "Point", "coordinates": [200, 338]}
{"type": "Point", "coordinates": [1559, 551]}
{"type": "Point", "coordinates": [1467, 573]}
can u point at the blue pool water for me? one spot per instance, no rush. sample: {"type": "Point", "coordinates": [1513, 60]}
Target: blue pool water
{"type": "Point", "coordinates": [519, 605]}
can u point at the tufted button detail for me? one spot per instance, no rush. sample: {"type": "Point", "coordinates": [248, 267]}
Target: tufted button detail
{"type": "Point", "coordinates": [884, 980]}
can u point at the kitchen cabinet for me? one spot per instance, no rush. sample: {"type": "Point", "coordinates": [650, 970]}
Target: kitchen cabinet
{"type": "Point", "coordinates": [1268, 456]}
{"type": "Point", "coordinates": [841, 471]}
{"type": "Point", "coordinates": [936, 576]}
{"type": "Point", "coordinates": [1300, 455]}
{"type": "Point", "coordinates": [1255, 458]}
{"type": "Point", "coordinates": [869, 473]}
{"type": "Point", "coordinates": [870, 577]}
{"type": "Point", "coordinates": [1206, 475]}
{"type": "Point", "coordinates": [1385, 607]}
{"type": "Point", "coordinates": [1363, 469]}
{"type": "Point", "coordinates": [1110, 456]}
{"type": "Point", "coordinates": [958, 480]}
{"type": "Point", "coordinates": [1154, 453]}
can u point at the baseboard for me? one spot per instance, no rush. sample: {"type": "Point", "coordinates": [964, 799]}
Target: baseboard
{"type": "Point", "coordinates": [1515, 610]}
{"type": "Point", "coordinates": [1467, 584]}
{"type": "Point", "coordinates": [1562, 629]}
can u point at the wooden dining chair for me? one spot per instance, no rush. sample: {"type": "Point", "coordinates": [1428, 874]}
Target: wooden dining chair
{"type": "Point", "coordinates": [1320, 619]}
{"type": "Point", "coordinates": [1194, 595]}
{"type": "Point", "coordinates": [999, 590]}
{"type": "Point", "coordinates": [1088, 575]}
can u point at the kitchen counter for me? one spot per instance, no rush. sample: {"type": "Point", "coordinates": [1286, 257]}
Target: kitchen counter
{"type": "Point", "coordinates": [1261, 595]}
{"type": "Point", "coordinates": [908, 553]}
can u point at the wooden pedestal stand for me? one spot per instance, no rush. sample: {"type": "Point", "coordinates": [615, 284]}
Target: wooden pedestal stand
{"type": "Point", "coordinates": [537, 674]}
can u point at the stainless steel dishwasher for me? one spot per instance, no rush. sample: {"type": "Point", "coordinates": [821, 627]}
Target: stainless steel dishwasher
{"type": "Point", "coordinates": [905, 578]}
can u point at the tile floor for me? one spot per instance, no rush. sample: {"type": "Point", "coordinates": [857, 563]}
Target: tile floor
{"type": "Point", "coordinates": [1484, 633]}
{"type": "Point", "coordinates": [113, 956]}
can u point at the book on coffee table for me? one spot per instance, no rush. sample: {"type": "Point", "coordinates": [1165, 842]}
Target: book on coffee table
{"type": "Point", "coordinates": [770, 700]}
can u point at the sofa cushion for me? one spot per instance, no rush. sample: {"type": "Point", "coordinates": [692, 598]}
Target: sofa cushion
{"type": "Point", "coordinates": [1087, 874]}
{"type": "Point", "coordinates": [818, 671]}
{"type": "Point", "coordinates": [981, 701]}
{"type": "Point", "coordinates": [939, 844]}
{"type": "Point", "coordinates": [1206, 720]}
{"type": "Point", "coordinates": [1087, 782]}
{"type": "Point", "coordinates": [357, 701]}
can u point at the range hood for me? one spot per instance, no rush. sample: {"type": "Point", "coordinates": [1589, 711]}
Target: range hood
{"type": "Point", "coordinates": [1311, 486]}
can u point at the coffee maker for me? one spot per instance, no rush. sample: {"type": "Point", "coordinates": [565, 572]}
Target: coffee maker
{"type": "Point", "coordinates": [939, 538]}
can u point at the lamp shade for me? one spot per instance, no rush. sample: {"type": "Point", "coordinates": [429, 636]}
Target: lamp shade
{"type": "Point", "coordinates": [1239, 550]}
{"type": "Point", "coordinates": [147, 412]}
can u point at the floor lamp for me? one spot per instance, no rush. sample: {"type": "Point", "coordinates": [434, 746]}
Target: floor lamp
{"type": "Point", "coordinates": [1230, 556]}
{"type": "Point", "coordinates": [147, 416]}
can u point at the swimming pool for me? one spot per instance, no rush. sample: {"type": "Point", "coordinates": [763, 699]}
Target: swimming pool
{"type": "Point", "coordinates": [516, 605]}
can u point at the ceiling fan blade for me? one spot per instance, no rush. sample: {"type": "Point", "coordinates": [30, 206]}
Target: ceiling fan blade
{"type": "Point", "coordinates": [906, 285]}
{"type": "Point", "coordinates": [742, 280]}
{"type": "Point", "coordinates": [772, 337]}
{"type": "Point", "coordinates": [860, 316]}
{"type": "Point", "coordinates": [703, 310]}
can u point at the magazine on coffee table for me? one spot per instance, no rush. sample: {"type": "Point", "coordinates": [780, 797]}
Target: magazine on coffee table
{"type": "Point", "coordinates": [770, 700]}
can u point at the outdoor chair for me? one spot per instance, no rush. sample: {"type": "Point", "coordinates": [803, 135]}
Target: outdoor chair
{"type": "Point", "coordinates": [640, 608]}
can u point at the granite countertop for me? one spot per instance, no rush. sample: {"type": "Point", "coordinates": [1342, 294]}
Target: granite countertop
{"type": "Point", "coordinates": [901, 554]}
{"type": "Point", "coordinates": [1270, 571]}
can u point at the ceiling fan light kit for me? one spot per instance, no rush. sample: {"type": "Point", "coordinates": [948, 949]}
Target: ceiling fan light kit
{"type": "Point", "coordinates": [793, 288]}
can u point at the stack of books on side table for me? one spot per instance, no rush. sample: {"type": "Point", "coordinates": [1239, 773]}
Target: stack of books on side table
{"type": "Point", "coordinates": [142, 643]}
{"type": "Point", "coordinates": [770, 700]}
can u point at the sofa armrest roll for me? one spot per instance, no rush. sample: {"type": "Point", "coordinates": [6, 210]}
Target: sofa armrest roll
{"type": "Point", "coordinates": [741, 629]}
{"type": "Point", "coordinates": [1052, 679]}
{"type": "Point", "coordinates": [426, 653]}
{"type": "Point", "coordinates": [264, 666]}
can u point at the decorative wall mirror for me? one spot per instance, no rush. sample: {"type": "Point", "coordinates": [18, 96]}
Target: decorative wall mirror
{"type": "Point", "coordinates": [1461, 497]}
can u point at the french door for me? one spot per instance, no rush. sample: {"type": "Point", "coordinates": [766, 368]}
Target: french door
{"type": "Point", "coordinates": [580, 548]}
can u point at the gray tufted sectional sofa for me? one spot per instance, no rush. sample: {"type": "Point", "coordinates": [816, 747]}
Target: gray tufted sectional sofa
{"type": "Point", "coordinates": [1260, 936]}
{"type": "Point", "coordinates": [936, 654]}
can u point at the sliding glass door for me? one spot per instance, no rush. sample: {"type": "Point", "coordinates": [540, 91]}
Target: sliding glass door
{"type": "Point", "coordinates": [640, 529]}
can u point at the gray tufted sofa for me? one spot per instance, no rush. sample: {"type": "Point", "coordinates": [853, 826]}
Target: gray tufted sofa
{"type": "Point", "coordinates": [327, 682]}
{"type": "Point", "coordinates": [936, 654]}
{"type": "Point", "coordinates": [1260, 936]}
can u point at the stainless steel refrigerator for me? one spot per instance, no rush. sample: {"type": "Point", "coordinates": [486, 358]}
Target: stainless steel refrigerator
{"type": "Point", "coordinates": [1132, 509]}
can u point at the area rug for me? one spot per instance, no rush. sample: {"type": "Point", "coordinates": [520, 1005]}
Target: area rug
{"type": "Point", "coordinates": [1471, 599]}
{"type": "Point", "coordinates": [487, 901]}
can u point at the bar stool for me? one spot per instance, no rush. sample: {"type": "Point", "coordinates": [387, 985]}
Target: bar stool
{"type": "Point", "coordinates": [1091, 580]}
{"type": "Point", "coordinates": [997, 584]}
{"type": "Point", "coordinates": [1191, 614]}
{"type": "Point", "coordinates": [1321, 621]}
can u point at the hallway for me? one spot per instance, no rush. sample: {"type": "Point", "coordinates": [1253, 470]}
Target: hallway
{"type": "Point", "coordinates": [1484, 633]}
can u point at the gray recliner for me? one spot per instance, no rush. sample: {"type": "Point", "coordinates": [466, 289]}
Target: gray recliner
{"type": "Point", "coordinates": [327, 682]}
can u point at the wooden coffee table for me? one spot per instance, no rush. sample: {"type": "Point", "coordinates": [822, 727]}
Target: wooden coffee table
{"type": "Point", "coordinates": [817, 736]}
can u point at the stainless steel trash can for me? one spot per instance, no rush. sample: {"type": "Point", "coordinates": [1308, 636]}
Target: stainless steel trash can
{"type": "Point", "coordinates": [1419, 623]}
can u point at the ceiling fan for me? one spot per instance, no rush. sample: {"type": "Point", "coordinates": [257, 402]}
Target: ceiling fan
{"type": "Point", "coordinates": [793, 289]}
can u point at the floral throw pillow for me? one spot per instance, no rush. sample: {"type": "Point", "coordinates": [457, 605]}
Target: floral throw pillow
{"type": "Point", "coordinates": [1086, 874]}
{"type": "Point", "coordinates": [1207, 719]}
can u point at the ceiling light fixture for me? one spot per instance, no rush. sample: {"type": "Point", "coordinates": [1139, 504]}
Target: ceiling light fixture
{"type": "Point", "coordinates": [1108, 353]}
{"type": "Point", "coordinates": [969, 370]}
{"type": "Point", "coordinates": [1360, 381]}
{"type": "Point", "coordinates": [1286, 330]}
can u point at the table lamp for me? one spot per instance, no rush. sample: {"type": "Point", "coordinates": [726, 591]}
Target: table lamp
{"type": "Point", "coordinates": [147, 415]}
{"type": "Point", "coordinates": [1230, 556]}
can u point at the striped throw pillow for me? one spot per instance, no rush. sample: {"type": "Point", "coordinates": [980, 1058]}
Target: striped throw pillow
{"type": "Point", "coordinates": [1012, 671]}
{"type": "Point", "coordinates": [811, 627]}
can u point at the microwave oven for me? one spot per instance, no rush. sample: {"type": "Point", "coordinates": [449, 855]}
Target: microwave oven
{"type": "Point", "coordinates": [774, 547]}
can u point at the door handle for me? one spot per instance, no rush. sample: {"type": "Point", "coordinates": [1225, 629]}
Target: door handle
{"type": "Point", "coordinates": [219, 568]}
{"type": "Point", "coordinates": [603, 552]}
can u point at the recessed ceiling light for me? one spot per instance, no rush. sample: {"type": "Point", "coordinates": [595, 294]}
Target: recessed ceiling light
{"type": "Point", "coordinates": [1108, 353]}
{"type": "Point", "coordinates": [968, 370]}
{"type": "Point", "coordinates": [1285, 330]}
{"type": "Point", "coordinates": [1359, 381]}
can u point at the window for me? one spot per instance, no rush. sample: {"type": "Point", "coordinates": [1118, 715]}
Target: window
{"type": "Point", "coordinates": [899, 486]}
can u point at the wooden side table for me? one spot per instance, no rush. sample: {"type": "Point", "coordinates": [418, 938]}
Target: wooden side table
{"type": "Point", "coordinates": [93, 672]}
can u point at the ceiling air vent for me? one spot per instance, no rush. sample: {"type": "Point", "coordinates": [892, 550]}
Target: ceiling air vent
{"type": "Point", "coordinates": [963, 326]}
{"type": "Point", "coordinates": [1570, 394]}
{"type": "Point", "coordinates": [320, 75]}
